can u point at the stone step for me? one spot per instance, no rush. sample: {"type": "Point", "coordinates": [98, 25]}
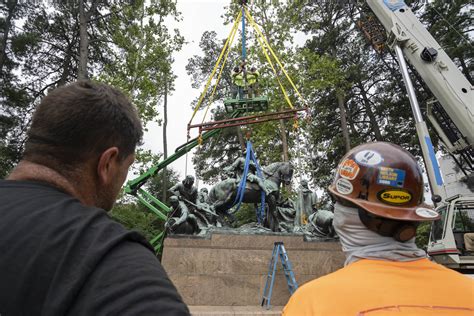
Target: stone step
{"type": "Point", "coordinates": [234, 310]}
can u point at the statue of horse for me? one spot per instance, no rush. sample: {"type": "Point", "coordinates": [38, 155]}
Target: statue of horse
{"type": "Point", "coordinates": [222, 195]}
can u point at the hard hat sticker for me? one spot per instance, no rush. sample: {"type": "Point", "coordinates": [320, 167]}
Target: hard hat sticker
{"type": "Point", "coordinates": [392, 177]}
{"type": "Point", "coordinates": [349, 169]}
{"type": "Point", "coordinates": [426, 212]}
{"type": "Point", "coordinates": [368, 157]}
{"type": "Point", "coordinates": [394, 196]}
{"type": "Point", "coordinates": [344, 186]}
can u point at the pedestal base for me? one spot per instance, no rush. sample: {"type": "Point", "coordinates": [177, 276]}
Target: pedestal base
{"type": "Point", "coordinates": [231, 269]}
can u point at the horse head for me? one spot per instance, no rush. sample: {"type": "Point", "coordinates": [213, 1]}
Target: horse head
{"type": "Point", "coordinates": [279, 172]}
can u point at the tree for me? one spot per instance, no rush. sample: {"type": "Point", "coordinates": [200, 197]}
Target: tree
{"type": "Point", "coordinates": [51, 46]}
{"type": "Point", "coordinates": [142, 55]}
{"type": "Point", "coordinates": [14, 98]}
{"type": "Point", "coordinates": [84, 19]}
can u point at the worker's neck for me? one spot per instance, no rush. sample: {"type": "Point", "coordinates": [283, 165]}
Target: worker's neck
{"type": "Point", "coordinates": [78, 187]}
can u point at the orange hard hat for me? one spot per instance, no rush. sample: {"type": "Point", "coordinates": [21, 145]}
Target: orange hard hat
{"type": "Point", "coordinates": [383, 179]}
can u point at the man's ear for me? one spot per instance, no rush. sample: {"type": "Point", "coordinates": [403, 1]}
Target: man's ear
{"type": "Point", "coordinates": [107, 165]}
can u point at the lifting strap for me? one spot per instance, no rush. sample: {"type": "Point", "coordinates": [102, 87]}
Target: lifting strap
{"type": "Point", "coordinates": [226, 46]}
{"type": "Point", "coordinates": [250, 156]}
{"type": "Point", "coordinates": [255, 26]}
{"type": "Point", "coordinates": [266, 48]}
{"type": "Point", "coordinates": [211, 98]}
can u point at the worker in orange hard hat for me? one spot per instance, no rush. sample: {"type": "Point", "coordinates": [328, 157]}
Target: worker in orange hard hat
{"type": "Point", "coordinates": [378, 190]}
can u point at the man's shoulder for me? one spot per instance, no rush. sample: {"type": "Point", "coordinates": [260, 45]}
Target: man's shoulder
{"type": "Point", "coordinates": [321, 284]}
{"type": "Point", "coordinates": [49, 211]}
{"type": "Point", "coordinates": [322, 289]}
{"type": "Point", "coordinates": [38, 198]}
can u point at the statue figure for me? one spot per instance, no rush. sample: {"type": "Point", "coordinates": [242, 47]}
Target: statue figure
{"type": "Point", "coordinates": [187, 193]}
{"type": "Point", "coordinates": [207, 210]}
{"type": "Point", "coordinates": [185, 190]}
{"type": "Point", "coordinates": [285, 212]}
{"type": "Point", "coordinates": [320, 224]}
{"type": "Point", "coordinates": [304, 204]}
{"type": "Point", "coordinates": [236, 171]}
{"type": "Point", "coordinates": [181, 221]}
{"type": "Point", "coordinates": [203, 196]}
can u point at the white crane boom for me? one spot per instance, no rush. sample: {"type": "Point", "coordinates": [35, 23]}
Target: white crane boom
{"type": "Point", "coordinates": [410, 40]}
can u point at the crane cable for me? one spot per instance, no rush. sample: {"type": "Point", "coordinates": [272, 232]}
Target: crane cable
{"type": "Point", "coordinates": [264, 50]}
{"type": "Point", "coordinates": [255, 26]}
{"type": "Point", "coordinates": [226, 45]}
{"type": "Point", "coordinates": [264, 44]}
{"type": "Point", "coordinates": [211, 98]}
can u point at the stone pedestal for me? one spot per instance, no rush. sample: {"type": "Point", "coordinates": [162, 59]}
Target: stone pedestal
{"type": "Point", "coordinates": [231, 269]}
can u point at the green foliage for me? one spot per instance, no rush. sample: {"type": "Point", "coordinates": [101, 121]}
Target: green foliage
{"type": "Point", "coordinates": [144, 160]}
{"type": "Point", "coordinates": [129, 47]}
{"type": "Point", "coordinates": [133, 216]}
{"type": "Point", "coordinates": [423, 235]}
{"type": "Point", "coordinates": [245, 215]}
{"type": "Point", "coordinates": [142, 53]}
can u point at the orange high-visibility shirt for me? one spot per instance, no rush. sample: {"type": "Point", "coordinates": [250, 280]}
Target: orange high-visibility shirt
{"type": "Point", "coordinates": [378, 287]}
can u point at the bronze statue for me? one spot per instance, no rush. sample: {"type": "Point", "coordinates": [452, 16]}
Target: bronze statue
{"type": "Point", "coordinates": [203, 196]}
{"type": "Point", "coordinates": [181, 221]}
{"type": "Point", "coordinates": [320, 224]}
{"type": "Point", "coordinates": [222, 195]}
{"type": "Point", "coordinates": [187, 193]}
{"type": "Point", "coordinates": [236, 171]}
{"type": "Point", "coordinates": [194, 212]}
{"type": "Point", "coordinates": [186, 190]}
{"type": "Point", "coordinates": [304, 204]}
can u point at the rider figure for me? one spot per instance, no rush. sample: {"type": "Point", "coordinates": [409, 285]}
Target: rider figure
{"type": "Point", "coordinates": [236, 171]}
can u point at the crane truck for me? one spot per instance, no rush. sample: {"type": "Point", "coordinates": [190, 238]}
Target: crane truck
{"type": "Point", "coordinates": [452, 117]}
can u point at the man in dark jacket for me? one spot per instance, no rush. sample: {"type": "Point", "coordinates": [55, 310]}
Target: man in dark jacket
{"type": "Point", "coordinates": [60, 251]}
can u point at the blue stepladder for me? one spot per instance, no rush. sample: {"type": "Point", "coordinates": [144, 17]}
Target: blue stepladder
{"type": "Point", "coordinates": [278, 252]}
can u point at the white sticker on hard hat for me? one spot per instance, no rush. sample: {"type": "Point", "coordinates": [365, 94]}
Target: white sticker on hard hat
{"type": "Point", "coordinates": [426, 212]}
{"type": "Point", "coordinates": [368, 158]}
{"type": "Point", "coordinates": [344, 186]}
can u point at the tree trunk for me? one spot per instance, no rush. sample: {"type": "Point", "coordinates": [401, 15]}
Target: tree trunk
{"type": "Point", "coordinates": [345, 131]}
{"type": "Point", "coordinates": [241, 138]}
{"type": "Point", "coordinates": [284, 141]}
{"type": "Point", "coordinates": [83, 42]}
{"type": "Point", "coordinates": [11, 10]}
{"type": "Point", "coordinates": [66, 67]}
{"type": "Point", "coordinates": [370, 113]}
{"type": "Point", "coordinates": [165, 140]}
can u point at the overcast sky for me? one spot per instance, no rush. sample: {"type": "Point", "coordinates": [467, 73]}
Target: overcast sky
{"type": "Point", "coordinates": [198, 16]}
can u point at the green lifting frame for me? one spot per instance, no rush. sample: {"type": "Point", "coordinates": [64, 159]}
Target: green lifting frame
{"type": "Point", "coordinates": [255, 104]}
